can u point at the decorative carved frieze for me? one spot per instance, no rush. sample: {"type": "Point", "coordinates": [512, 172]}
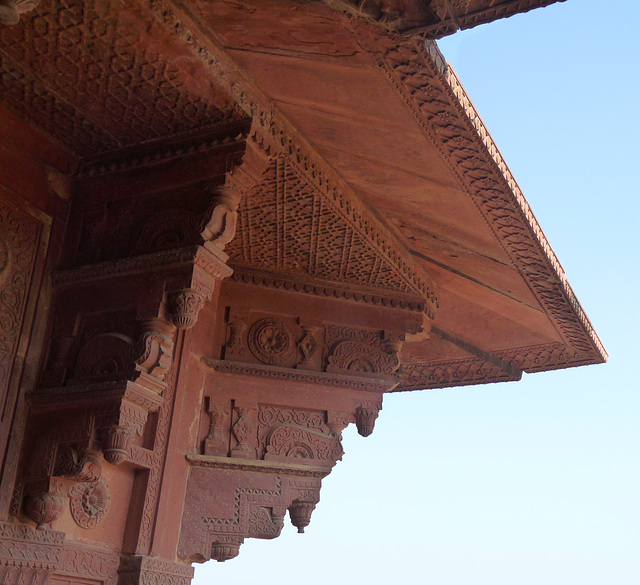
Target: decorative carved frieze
{"type": "Point", "coordinates": [357, 350]}
{"type": "Point", "coordinates": [78, 560]}
{"type": "Point", "coordinates": [28, 555]}
{"type": "Point", "coordinates": [145, 570]}
{"type": "Point", "coordinates": [286, 434]}
{"type": "Point", "coordinates": [19, 237]}
{"type": "Point", "coordinates": [444, 374]}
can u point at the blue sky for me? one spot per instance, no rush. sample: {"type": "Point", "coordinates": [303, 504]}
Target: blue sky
{"type": "Point", "coordinates": [538, 481]}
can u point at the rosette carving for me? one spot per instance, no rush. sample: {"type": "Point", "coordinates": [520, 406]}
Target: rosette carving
{"type": "Point", "coordinates": [89, 503]}
{"type": "Point", "coordinates": [270, 341]}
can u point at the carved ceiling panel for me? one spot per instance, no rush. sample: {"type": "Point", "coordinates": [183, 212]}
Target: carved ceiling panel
{"type": "Point", "coordinates": [97, 78]}
{"type": "Point", "coordinates": [286, 225]}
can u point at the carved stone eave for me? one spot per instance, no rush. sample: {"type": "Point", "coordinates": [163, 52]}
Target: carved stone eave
{"type": "Point", "coordinates": [546, 278]}
{"type": "Point", "coordinates": [434, 18]}
{"type": "Point", "coordinates": [450, 121]}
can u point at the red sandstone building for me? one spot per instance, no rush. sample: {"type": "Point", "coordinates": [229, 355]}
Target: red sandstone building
{"type": "Point", "coordinates": [227, 229]}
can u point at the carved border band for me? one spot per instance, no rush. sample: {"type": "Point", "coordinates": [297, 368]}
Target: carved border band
{"type": "Point", "coordinates": [373, 384]}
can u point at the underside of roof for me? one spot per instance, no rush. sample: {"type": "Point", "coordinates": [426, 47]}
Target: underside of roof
{"type": "Point", "coordinates": [383, 180]}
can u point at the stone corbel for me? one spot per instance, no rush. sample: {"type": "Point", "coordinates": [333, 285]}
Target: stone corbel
{"type": "Point", "coordinates": [366, 415]}
{"type": "Point", "coordinates": [156, 344]}
{"type": "Point", "coordinates": [76, 465]}
{"type": "Point", "coordinates": [184, 306]}
{"type": "Point", "coordinates": [117, 430]}
{"type": "Point", "coordinates": [221, 228]}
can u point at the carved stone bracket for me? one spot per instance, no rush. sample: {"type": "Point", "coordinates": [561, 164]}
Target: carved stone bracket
{"type": "Point", "coordinates": [77, 466]}
{"type": "Point", "coordinates": [156, 341]}
{"type": "Point", "coordinates": [184, 306]}
{"type": "Point", "coordinates": [260, 492]}
{"type": "Point", "coordinates": [366, 415]}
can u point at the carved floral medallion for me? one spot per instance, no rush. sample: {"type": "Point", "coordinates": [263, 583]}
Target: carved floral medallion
{"type": "Point", "coordinates": [270, 341]}
{"type": "Point", "coordinates": [89, 502]}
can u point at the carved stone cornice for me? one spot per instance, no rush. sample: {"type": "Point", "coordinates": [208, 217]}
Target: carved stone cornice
{"type": "Point", "coordinates": [134, 392]}
{"type": "Point", "coordinates": [443, 110]}
{"type": "Point", "coordinates": [241, 464]}
{"type": "Point", "coordinates": [329, 289]}
{"type": "Point", "coordinates": [212, 262]}
{"type": "Point", "coordinates": [225, 134]}
{"type": "Point", "coordinates": [378, 383]}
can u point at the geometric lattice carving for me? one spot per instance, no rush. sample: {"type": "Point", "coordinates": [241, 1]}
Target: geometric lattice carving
{"type": "Point", "coordinates": [286, 225]}
{"type": "Point", "coordinates": [78, 70]}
